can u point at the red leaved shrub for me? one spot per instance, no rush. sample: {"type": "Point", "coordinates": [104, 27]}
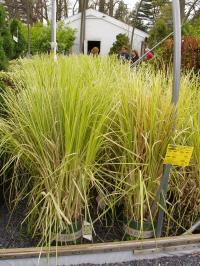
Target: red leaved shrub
{"type": "Point", "coordinates": [190, 52]}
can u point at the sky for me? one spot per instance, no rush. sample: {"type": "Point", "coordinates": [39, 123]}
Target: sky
{"type": "Point", "coordinates": [131, 3]}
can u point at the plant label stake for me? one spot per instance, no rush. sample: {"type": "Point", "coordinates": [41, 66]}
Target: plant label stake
{"type": "Point", "coordinates": [87, 230]}
{"type": "Point", "coordinates": [175, 97]}
{"type": "Point", "coordinates": [178, 155]}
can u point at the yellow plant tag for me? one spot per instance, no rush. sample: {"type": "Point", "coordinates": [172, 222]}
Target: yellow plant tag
{"type": "Point", "coordinates": [178, 155]}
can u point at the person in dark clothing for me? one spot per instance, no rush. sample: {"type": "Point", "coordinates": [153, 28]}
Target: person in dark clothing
{"type": "Point", "coordinates": [134, 56]}
{"type": "Point", "coordinates": [124, 55]}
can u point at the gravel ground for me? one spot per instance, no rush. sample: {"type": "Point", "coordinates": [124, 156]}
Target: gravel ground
{"type": "Point", "coordinates": [12, 234]}
{"type": "Point", "coordinates": [189, 260]}
{"type": "Point", "coordinates": [107, 231]}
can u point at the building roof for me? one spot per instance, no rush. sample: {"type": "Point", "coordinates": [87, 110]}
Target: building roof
{"type": "Point", "coordinates": [94, 14]}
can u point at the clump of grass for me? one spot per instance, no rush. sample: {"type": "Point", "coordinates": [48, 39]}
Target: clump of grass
{"type": "Point", "coordinates": [144, 126]}
{"type": "Point", "coordinates": [142, 129]}
{"type": "Point", "coordinates": [184, 187]}
{"type": "Point", "coordinates": [56, 119]}
{"type": "Point", "coordinates": [87, 122]}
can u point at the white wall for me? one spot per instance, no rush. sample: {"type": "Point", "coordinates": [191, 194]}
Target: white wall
{"type": "Point", "coordinates": [98, 29]}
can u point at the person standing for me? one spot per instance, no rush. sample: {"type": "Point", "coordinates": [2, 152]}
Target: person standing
{"type": "Point", "coordinates": [94, 51]}
{"type": "Point", "coordinates": [134, 56]}
{"type": "Point", "coordinates": [124, 55]}
{"type": "Point", "coordinates": [149, 55]}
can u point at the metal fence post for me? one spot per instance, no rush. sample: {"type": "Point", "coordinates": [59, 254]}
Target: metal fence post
{"type": "Point", "coordinates": [175, 97]}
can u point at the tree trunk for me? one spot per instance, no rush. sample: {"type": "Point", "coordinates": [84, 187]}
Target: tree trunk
{"type": "Point", "coordinates": [19, 9]}
{"type": "Point", "coordinates": [46, 16]}
{"type": "Point", "coordinates": [81, 5]}
{"type": "Point", "coordinates": [182, 9]}
{"type": "Point", "coordinates": [65, 8]}
{"type": "Point", "coordinates": [134, 22]}
{"type": "Point", "coordinates": [83, 22]}
{"type": "Point", "coordinates": [59, 9]}
{"type": "Point", "coordinates": [74, 7]}
{"type": "Point", "coordinates": [111, 8]}
{"type": "Point", "coordinates": [39, 10]}
{"type": "Point", "coordinates": [102, 4]}
{"type": "Point", "coordinates": [191, 9]}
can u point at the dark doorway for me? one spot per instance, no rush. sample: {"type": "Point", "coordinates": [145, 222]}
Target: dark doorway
{"type": "Point", "coordinates": [92, 44]}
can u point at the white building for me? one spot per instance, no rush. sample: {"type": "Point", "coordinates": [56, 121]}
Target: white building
{"type": "Point", "coordinates": [101, 31]}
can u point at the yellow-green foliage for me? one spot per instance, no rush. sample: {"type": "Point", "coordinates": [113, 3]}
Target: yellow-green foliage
{"type": "Point", "coordinates": [54, 130]}
{"type": "Point", "coordinates": [88, 122]}
{"type": "Point", "coordinates": [184, 193]}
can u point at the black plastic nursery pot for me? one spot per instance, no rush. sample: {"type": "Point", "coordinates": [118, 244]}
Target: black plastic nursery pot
{"type": "Point", "coordinates": [137, 230]}
{"type": "Point", "coordinates": [71, 235]}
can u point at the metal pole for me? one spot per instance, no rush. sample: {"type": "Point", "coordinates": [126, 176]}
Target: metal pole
{"type": "Point", "coordinates": [175, 97]}
{"type": "Point", "coordinates": [53, 32]}
{"type": "Point", "coordinates": [177, 50]}
{"type": "Point", "coordinates": [192, 228]}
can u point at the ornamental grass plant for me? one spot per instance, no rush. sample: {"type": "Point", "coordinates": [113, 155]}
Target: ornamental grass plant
{"type": "Point", "coordinates": [184, 186]}
{"type": "Point", "coordinates": [85, 124]}
{"type": "Point", "coordinates": [56, 119]}
{"type": "Point", "coordinates": [145, 122]}
{"type": "Point", "coordinates": [142, 129]}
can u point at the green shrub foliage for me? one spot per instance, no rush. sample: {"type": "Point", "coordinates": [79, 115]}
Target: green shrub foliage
{"type": "Point", "coordinates": [3, 58]}
{"type": "Point", "coordinates": [20, 46]}
{"type": "Point", "coordinates": [9, 49]}
{"type": "Point", "coordinates": [14, 36]}
{"type": "Point", "coordinates": [8, 44]}
{"type": "Point", "coordinates": [41, 38]}
{"type": "Point", "coordinates": [121, 40]}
